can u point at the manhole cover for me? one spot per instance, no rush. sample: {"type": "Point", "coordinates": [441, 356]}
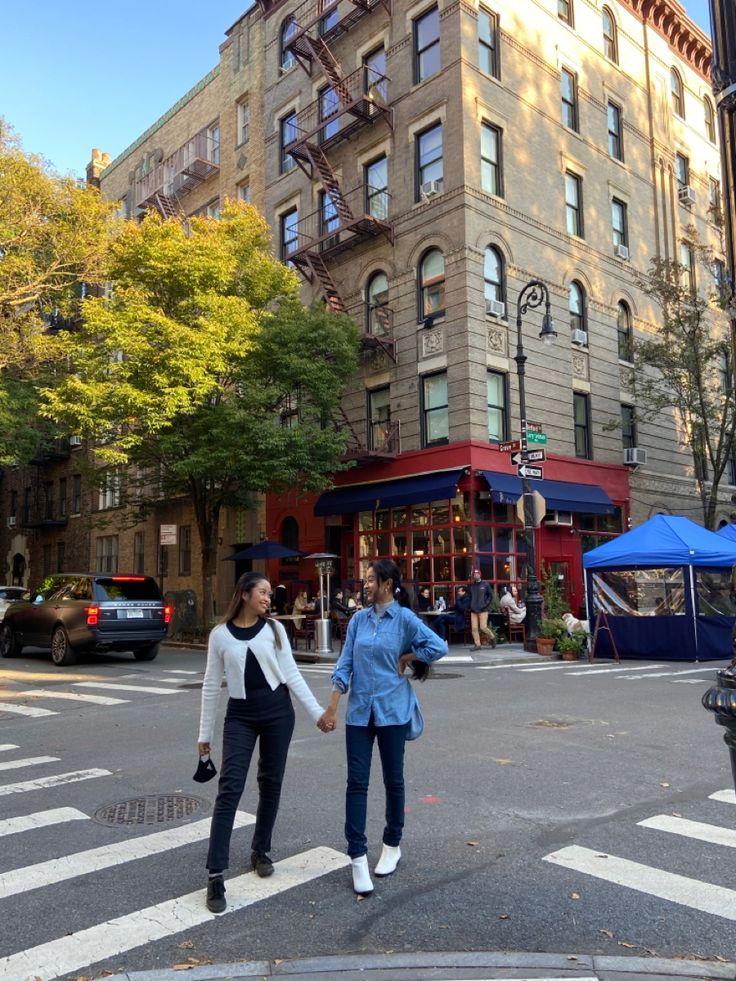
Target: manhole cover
{"type": "Point", "coordinates": [153, 809]}
{"type": "Point", "coordinates": [441, 675]}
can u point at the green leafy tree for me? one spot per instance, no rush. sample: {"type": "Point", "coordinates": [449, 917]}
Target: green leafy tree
{"type": "Point", "coordinates": [203, 374]}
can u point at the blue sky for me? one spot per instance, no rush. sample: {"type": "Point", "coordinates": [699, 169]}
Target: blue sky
{"type": "Point", "coordinates": [101, 75]}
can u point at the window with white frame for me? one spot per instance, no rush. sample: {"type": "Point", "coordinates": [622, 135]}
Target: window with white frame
{"type": "Point", "coordinates": [569, 99]}
{"type": "Point", "coordinates": [619, 223]}
{"type": "Point", "coordinates": [615, 132]}
{"type": "Point", "coordinates": [109, 491]}
{"type": "Point", "coordinates": [677, 93]}
{"type": "Point", "coordinates": [106, 552]}
{"type": "Point", "coordinates": [435, 409]}
{"type": "Point", "coordinates": [243, 122]}
{"type": "Point", "coordinates": [213, 143]}
{"type": "Point", "coordinates": [490, 159]}
{"type": "Point", "coordinates": [709, 119]}
{"type": "Point", "coordinates": [493, 278]}
{"type": "Point", "coordinates": [574, 204]}
{"type": "Point", "coordinates": [432, 285]}
{"type": "Point", "coordinates": [288, 30]}
{"type": "Point", "coordinates": [496, 398]}
{"type": "Point", "coordinates": [576, 307]}
{"type": "Point", "coordinates": [610, 41]}
{"type": "Point", "coordinates": [429, 161]}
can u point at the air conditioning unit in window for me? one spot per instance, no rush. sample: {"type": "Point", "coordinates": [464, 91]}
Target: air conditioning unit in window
{"type": "Point", "coordinates": [634, 456]}
{"type": "Point", "coordinates": [495, 308]}
{"type": "Point", "coordinates": [430, 189]}
{"type": "Point", "coordinates": [75, 440]}
{"type": "Point", "coordinates": [621, 251]}
{"type": "Point", "coordinates": [562, 519]}
{"type": "Point", "coordinates": [686, 194]}
{"type": "Point", "coordinates": [11, 521]}
{"type": "Point", "coordinates": [580, 337]}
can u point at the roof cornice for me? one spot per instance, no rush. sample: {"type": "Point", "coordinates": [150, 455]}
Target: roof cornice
{"type": "Point", "coordinates": [670, 20]}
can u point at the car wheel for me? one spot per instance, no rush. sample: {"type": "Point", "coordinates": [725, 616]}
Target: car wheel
{"type": "Point", "coordinates": [146, 653]}
{"type": "Point", "coordinates": [9, 646]}
{"type": "Point", "coordinates": [61, 651]}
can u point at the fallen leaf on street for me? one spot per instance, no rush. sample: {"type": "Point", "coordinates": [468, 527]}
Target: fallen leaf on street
{"type": "Point", "coordinates": [574, 895]}
{"type": "Point", "coordinates": [504, 916]}
{"type": "Point", "coordinates": [601, 855]}
{"type": "Point", "coordinates": [663, 783]}
{"type": "Point", "coordinates": [676, 815]}
{"type": "Point", "coordinates": [606, 933]}
{"type": "Point", "coordinates": [571, 957]}
{"type": "Point", "coordinates": [182, 967]}
{"type": "Point", "coordinates": [471, 843]}
{"type": "Point", "coordinates": [503, 760]}
{"type": "Point", "coordinates": [186, 945]}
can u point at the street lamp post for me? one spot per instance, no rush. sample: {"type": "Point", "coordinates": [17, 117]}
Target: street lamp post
{"type": "Point", "coordinates": [532, 295]}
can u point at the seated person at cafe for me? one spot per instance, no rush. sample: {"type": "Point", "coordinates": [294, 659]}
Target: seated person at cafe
{"type": "Point", "coordinates": [279, 601]}
{"type": "Point", "coordinates": [424, 603]}
{"type": "Point", "coordinates": [301, 605]}
{"type": "Point", "coordinates": [353, 601]}
{"type": "Point", "coordinates": [455, 615]}
{"type": "Point", "coordinates": [338, 606]}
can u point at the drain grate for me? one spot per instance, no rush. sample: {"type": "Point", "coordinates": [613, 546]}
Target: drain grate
{"type": "Point", "coordinates": [152, 809]}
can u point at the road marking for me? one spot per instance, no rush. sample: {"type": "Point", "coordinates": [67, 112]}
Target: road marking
{"type": "Point", "coordinates": [725, 796]}
{"type": "Point", "coordinates": [667, 674]}
{"type": "Point", "coordinates": [76, 696]}
{"type": "Point", "coordinates": [457, 659]}
{"type": "Point", "coordinates": [107, 685]}
{"type": "Point", "coordinates": [29, 710]}
{"type": "Point", "coordinates": [644, 667]}
{"type": "Point", "coordinates": [679, 889]}
{"type": "Point", "coordinates": [79, 950]}
{"type": "Point", "coordinates": [691, 829]}
{"type": "Point", "coordinates": [546, 667]}
{"type": "Point", "coordinates": [29, 761]}
{"type": "Point", "coordinates": [107, 856]}
{"type": "Point", "coordinates": [690, 681]}
{"type": "Point", "coordinates": [516, 666]}
{"type": "Point", "coordinates": [41, 819]}
{"type": "Point", "coordinates": [6, 746]}
{"type": "Point", "coordinates": [181, 671]}
{"type": "Point", "coordinates": [59, 778]}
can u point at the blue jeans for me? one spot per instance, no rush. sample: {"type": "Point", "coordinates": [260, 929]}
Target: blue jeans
{"type": "Point", "coordinates": [359, 744]}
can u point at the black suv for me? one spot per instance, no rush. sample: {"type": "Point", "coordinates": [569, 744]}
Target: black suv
{"type": "Point", "coordinates": [88, 611]}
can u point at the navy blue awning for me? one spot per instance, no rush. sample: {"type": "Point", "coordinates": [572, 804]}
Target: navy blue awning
{"type": "Point", "coordinates": [560, 495]}
{"type": "Point", "coordinates": [389, 493]}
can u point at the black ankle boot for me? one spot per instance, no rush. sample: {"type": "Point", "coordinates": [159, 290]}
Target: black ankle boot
{"type": "Point", "coordinates": [216, 902]}
{"type": "Point", "coordinates": [261, 864]}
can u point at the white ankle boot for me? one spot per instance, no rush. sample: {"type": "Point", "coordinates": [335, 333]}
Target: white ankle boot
{"type": "Point", "coordinates": [361, 876]}
{"type": "Point", "coordinates": [390, 858]}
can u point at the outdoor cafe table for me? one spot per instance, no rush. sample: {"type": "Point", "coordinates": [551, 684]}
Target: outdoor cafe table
{"type": "Point", "coordinates": [288, 620]}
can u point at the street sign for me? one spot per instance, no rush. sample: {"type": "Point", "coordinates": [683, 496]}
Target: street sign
{"type": "Point", "coordinates": [536, 437]}
{"type": "Point", "coordinates": [534, 427]}
{"type": "Point", "coordinates": [539, 508]}
{"type": "Point", "coordinates": [510, 446]}
{"type": "Point", "coordinates": [517, 459]}
{"type": "Point", "coordinates": [535, 456]}
{"type": "Point", "coordinates": [530, 472]}
{"type": "Point", "coordinates": [167, 535]}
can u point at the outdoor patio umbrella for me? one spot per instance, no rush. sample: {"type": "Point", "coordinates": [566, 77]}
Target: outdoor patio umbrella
{"type": "Point", "coordinates": [264, 550]}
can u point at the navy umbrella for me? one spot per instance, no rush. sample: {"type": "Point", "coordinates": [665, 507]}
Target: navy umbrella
{"type": "Point", "coordinates": [264, 550]}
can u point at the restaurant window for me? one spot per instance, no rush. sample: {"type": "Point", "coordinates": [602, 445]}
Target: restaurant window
{"type": "Point", "coordinates": [379, 417]}
{"type": "Point", "coordinates": [628, 426]}
{"type": "Point", "coordinates": [429, 162]}
{"type": "Point", "coordinates": [610, 41]}
{"type": "Point", "coordinates": [496, 395]}
{"type": "Point", "coordinates": [288, 30]}
{"type": "Point", "coordinates": [374, 67]}
{"type": "Point", "coordinates": [185, 550]}
{"type": "Point", "coordinates": [493, 275]}
{"type": "Point", "coordinates": [375, 176]}
{"type": "Point", "coordinates": [106, 551]}
{"type": "Point", "coordinates": [615, 132]}
{"type": "Point", "coordinates": [432, 285]}
{"type": "Point", "coordinates": [565, 11]}
{"type": "Point", "coordinates": [287, 134]}
{"type": "Point", "coordinates": [581, 417]}
{"type": "Point", "coordinates": [574, 204]}
{"type": "Point", "coordinates": [569, 99]}
{"type": "Point", "coordinates": [435, 410]}
{"type": "Point", "coordinates": [487, 42]}
{"type": "Point", "coordinates": [377, 312]}
{"type": "Point", "coordinates": [490, 159]}
{"type": "Point", "coordinates": [62, 497]}
{"type": "Point", "coordinates": [709, 119]}
{"type": "Point", "coordinates": [577, 307]}
{"type": "Point", "coordinates": [139, 553]}
{"type": "Point", "coordinates": [76, 493]}
{"type": "Point", "coordinates": [619, 223]}
{"type": "Point", "coordinates": [624, 333]}
{"type": "Point", "coordinates": [677, 93]}
{"type": "Point", "coordinates": [289, 222]}
{"type": "Point", "coordinates": [426, 31]}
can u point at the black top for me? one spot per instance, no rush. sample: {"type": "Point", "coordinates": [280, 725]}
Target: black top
{"type": "Point", "coordinates": [254, 676]}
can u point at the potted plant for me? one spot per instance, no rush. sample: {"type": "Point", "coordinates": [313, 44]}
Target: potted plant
{"type": "Point", "coordinates": [570, 647]}
{"type": "Point", "coordinates": [549, 631]}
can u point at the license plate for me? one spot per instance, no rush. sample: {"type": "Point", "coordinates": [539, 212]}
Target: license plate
{"type": "Point", "coordinates": [134, 614]}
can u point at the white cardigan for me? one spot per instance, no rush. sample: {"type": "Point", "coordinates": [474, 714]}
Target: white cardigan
{"type": "Point", "coordinates": [227, 655]}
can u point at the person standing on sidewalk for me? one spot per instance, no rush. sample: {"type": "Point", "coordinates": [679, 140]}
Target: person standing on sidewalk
{"type": "Point", "coordinates": [480, 602]}
{"type": "Point", "coordinates": [382, 640]}
{"type": "Point", "coordinates": [254, 654]}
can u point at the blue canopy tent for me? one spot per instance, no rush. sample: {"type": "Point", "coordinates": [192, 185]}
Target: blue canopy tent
{"type": "Point", "coordinates": [666, 588]}
{"type": "Point", "coordinates": [728, 532]}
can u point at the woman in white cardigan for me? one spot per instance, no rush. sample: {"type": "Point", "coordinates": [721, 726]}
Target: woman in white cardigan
{"type": "Point", "coordinates": [254, 654]}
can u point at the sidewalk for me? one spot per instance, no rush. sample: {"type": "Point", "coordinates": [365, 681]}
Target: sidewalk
{"type": "Point", "coordinates": [463, 966]}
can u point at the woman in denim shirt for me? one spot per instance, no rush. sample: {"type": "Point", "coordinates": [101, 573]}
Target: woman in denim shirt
{"type": "Point", "coordinates": [381, 642]}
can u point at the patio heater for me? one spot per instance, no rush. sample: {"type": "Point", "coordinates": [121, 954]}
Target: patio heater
{"type": "Point", "coordinates": [325, 567]}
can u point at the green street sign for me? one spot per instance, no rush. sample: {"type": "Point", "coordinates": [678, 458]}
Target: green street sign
{"type": "Point", "coordinates": [540, 438]}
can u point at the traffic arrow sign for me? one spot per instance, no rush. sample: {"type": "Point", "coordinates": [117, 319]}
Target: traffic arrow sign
{"type": "Point", "coordinates": [530, 472]}
{"type": "Point", "coordinates": [538, 438]}
{"type": "Point", "coordinates": [517, 459]}
{"type": "Point", "coordinates": [535, 456]}
{"type": "Point", "coordinates": [510, 446]}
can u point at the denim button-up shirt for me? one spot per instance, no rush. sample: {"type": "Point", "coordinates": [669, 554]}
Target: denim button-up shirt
{"type": "Point", "coordinates": [368, 665]}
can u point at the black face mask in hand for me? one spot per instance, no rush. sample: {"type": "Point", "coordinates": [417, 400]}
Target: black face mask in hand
{"type": "Point", "coordinates": [205, 770]}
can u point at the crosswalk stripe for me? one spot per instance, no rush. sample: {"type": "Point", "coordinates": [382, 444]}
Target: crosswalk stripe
{"type": "Point", "coordinates": [703, 896]}
{"type": "Point", "coordinates": [76, 696]}
{"type": "Point", "coordinates": [546, 667]}
{"type": "Point", "coordinates": [40, 819]}
{"type": "Point", "coordinates": [181, 671]}
{"type": "Point", "coordinates": [108, 685]}
{"type": "Point", "coordinates": [107, 856]}
{"type": "Point", "coordinates": [7, 746]}
{"type": "Point", "coordinates": [29, 710]}
{"type": "Point", "coordinates": [517, 665]}
{"type": "Point", "coordinates": [690, 681]}
{"type": "Point", "coordinates": [711, 833]}
{"type": "Point", "coordinates": [643, 667]}
{"type": "Point", "coordinates": [43, 782]}
{"type": "Point", "coordinates": [725, 796]}
{"type": "Point", "coordinates": [457, 659]}
{"type": "Point", "coordinates": [667, 674]}
{"type": "Point", "coordinates": [29, 761]}
{"type": "Point", "coordinates": [79, 950]}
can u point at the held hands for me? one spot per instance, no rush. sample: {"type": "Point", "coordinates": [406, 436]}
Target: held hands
{"type": "Point", "coordinates": [327, 722]}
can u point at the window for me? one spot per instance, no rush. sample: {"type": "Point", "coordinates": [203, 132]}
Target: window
{"type": "Point", "coordinates": [619, 223]}
{"type": "Point", "coordinates": [574, 204]}
{"type": "Point", "coordinates": [435, 417]}
{"type": "Point", "coordinates": [185, 550]}
{"type": "Point", "coordinates": [725, 375]}
{"type": "Point", "coordinates": [48, 510]}
{"type": "Point", "coordinates": [288, 30]}
{"type": "Point", "coordinates": [487, 42]}
{"type": "Point", "coordinates": [576, 306]}
{"type": "Point", "coordinates": [243, 122]}
{"type": "Point", "coordinates": [329, 106]}
{"type": "Point", "coordinates": [374, 66]}
{"type": "Point", "coordinates": [432, 285]}
{"type": "Point", "coordinates": [109, 492]}
{"type": "Point", "coordinates": [376, 188]}
{"type": "Point", "coordinates": [379, 417]}
{"type": "Point", "coordinates": [581, 417]}
{"type": "Point", "coordinates": [289, 411]}
{"type": "Point", "coordinates": [289, 222]}
{"type": "Point", "coordinates": [624, 332]}
{"type": "Point", "coordinates": [687, 262]}
{"type": "Point", "coordinates": [60, 556]}
{"type": "Point", "coordinates": [682, 170]}
{"type": "Point", "coordinates": [329, 221]}
{"type": "Point", "coordinates": [212, 210]}
{"type": "Point", "coordinates": [139, 553]}
{"type": "Point", "coordinates": [564, 11]}
{"type": "Point", "coordinates": [429, 158]}
{"type": "Point", "coordinates": [610, 43]}
{"type": "Point", "coordinates": [490, 159]}
{"type": "Point", "coordinates": [329, 18]}
{"type": "Point", "coordinates": [426, 45]}
{"type": "Point", "coordinates": [718, 271]}
{"type": "Point", "coordinates": [106, 549]}
{"type": "Point", "coordinates": [714, 199]}
{"type": "Point", "coordinates": [628, 426]}
{"type": "Point", "coordinates": [615, 132]}
{"type": "Point", "coordinates": [377, 312]}
{"type": "Point", "coordinates": [493, 278]}
{"type": "Point", "coordinates": [288, 133]}
{"type": "Point", "coordinates": [244, 192]}
{"type": "Point", "coordinates": [213, 143]}
{"type": "Point", "coordinates": [496, 395]}
{"type": "Point", "coordinates": [709, 119]}
{"type": "Point", "coordinates": [62, 497]}
{"type": "Point", "coordinates": [47, 556]}
{"type": "Point", "coordinates": [76, 493]}
{"type": "Point", "coordinates": [569, 95]}
{"type": "Point", "coordinates": [14, 503]}
{"type": "Point", "coordinates": [677, 93]}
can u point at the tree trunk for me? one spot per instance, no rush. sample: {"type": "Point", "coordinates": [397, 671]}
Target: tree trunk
{"type": "Point", "coordinates": [208, 517]}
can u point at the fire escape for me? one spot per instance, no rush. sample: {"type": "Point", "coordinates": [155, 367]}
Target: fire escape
{"type": "Point", "coordinates": [171, 179]}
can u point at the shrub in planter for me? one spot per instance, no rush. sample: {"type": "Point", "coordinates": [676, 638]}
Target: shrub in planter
{"type": "Point", "coordinates": [549, 632]}
{"type": "Point", "coordinates": [570, 647]}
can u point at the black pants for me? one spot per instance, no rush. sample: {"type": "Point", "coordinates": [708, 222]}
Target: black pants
{"type": "Point", "coordinates": [269, 719]}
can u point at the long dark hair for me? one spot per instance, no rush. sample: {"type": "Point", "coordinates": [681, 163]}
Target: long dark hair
{"type": "Point", "coordinates": [245, 585]}
{"type": "Point", "coordinates": [385, 569]}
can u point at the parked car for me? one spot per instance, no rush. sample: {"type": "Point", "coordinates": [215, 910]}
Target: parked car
{"type": "Point", "coordinates": [88, 612]}
{"type": "Point", "coordinates": [11, 594]}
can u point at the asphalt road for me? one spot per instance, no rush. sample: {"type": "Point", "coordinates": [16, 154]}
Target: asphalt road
{"type": "Point", "coordinates": [525, 799]}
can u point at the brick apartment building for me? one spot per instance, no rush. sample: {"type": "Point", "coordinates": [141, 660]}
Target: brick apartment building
{"type": "Point", "coordinates": [419, 164]}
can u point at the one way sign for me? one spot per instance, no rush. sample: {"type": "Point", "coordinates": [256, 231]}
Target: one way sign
{"type": "Point", "coordinates": [532, 456]}
{"type": "Point", "coordinates": [531, 473]}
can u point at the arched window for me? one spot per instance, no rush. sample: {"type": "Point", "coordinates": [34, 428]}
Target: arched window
{"type": "Point", "coordinates": [432, 285]}
{"type": "Point", "coordinates": [710, 119]}
{"type": "Point", "coordinates": [290, 533]}
{"type": "Point", "coordinates": [678, 94]}
{"type": "Point", "coordinates": [625, 335]}
{"type": "Point", "coordinates": [493, 285]}
{"type": "Point", "coordinates": [610, 42]}
{"type": "Point", "coordinates": [576, 306]}
{"type": "Point", "coordinates": [376, 303]}
{"type": "Point", "coordinates": [288, 30]}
